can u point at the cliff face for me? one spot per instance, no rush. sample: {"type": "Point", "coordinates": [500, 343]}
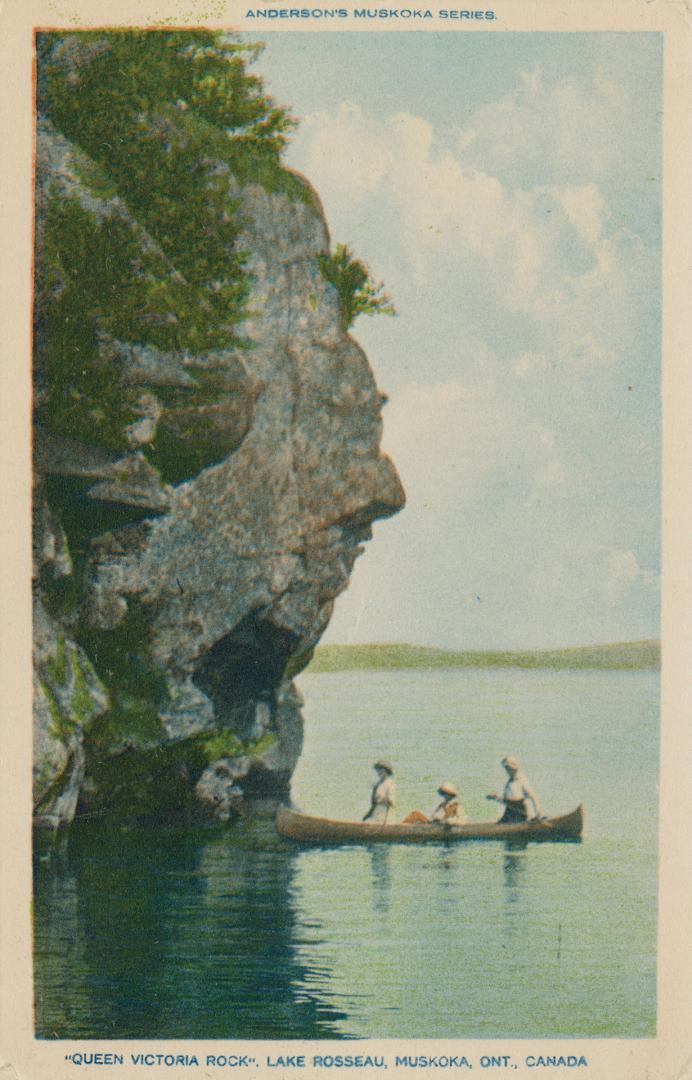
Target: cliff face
{"type": "Point", "coordinates": [196, 512]}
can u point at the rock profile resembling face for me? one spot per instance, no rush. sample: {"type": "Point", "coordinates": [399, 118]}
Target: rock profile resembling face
{"type": "Point", "coordinates": [248, 561]}
{"type": "Point", "coordinates": [212, 550]}
{"type": "Point", "coordinates": [271, 532]}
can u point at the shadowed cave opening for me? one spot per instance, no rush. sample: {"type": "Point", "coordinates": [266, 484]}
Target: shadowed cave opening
{"type": "Point", "coordinates": [244, 669]}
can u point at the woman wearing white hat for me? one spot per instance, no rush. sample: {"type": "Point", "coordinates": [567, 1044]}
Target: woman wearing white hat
{"type": "Point", "coordinates": [382, 798]}
{"type": "Point", "coordinates": [517, 796]}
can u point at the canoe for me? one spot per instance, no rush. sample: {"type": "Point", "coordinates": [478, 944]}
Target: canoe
{"type": "Point", "coordinates": [316, 830]}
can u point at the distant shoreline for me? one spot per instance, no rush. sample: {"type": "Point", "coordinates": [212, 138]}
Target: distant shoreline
{"type": "Point", "coordinates": [624, 656]}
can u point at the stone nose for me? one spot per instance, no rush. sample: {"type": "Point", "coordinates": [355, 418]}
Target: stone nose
{"type": "Point", "coordinates": [371, 490]}
{"type": "Point", "coordinates": [387, 491]}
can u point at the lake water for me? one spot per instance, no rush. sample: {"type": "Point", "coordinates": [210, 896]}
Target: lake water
{"type": "Point", "coordinates": [232, 933]}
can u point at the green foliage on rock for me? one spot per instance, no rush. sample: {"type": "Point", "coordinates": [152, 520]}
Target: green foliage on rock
{"type": "Point", "coordinates": [147, 784]}
{"type": "Point", "coordinates": [358, 294]}
{"type": "Point", "coordinates": [137, 686]}
{"type": "Point", "coordinates": [155, 782]}
{"type": "Point", "coordinates": [141, 246]}
{"type": "Point", "coordinates": [56, 665]}
{"type": "Point", "coordinates": [223, 743]}
{"type": "Point", "coordinates": [100, 281]}
{"type": "Point", "coordinates": [81, 701]}
{"type": "Point", "coordinates": [145, 103]}
{"type": "Point", "coordinates": [61, 725]}
{"type": "Point", "coordinates": [200, 423]}
{"type": "Point", "coordinates": [71, 690]}
{"type": "Point", "coordinates": [227, 743]}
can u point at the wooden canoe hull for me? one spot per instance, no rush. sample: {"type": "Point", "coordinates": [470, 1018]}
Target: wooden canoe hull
{"type": "Point", "coordinates": [314, 830]}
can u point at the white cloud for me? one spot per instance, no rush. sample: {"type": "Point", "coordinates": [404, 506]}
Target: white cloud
{"type": "Point", "coordinates": [523, 301]}
{"type": "Point", "coordinates": [343, 150]}
{"type": "Point", "coordinates": [584, 207]}
{"type": "Point", "coordinates": [571, 131]}
{"type": "Point", "coordinates": [620, 572]}
{"type": "Point", "coordinates": [578, 573]}
{"type": "Point", "coordinates": [467, 447]}
{"type": "Point", "coordinates": [542, 253]}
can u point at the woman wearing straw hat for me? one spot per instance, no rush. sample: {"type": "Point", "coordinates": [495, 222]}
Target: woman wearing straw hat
{"type": "Point", "coordinates": [382, 798]}
{"type": "Point", "coordinates": [517, 796]}
{"type": "Point", "coordinates": [450, 811]}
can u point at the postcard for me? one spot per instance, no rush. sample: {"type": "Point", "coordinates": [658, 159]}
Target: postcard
{"type": "Point", "coordinates": [347, 599]}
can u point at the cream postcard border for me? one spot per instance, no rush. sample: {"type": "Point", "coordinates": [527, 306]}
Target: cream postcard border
{"type": "Point", "coordinates": [669, 1055]}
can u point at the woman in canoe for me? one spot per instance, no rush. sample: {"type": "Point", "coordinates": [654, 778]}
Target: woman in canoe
{"type": "Point", "coordinates": [382, 798]}
{"type": "Point", "coordinates": [449, 811]}
{"type": "Point", "coordinates": [517, 796]}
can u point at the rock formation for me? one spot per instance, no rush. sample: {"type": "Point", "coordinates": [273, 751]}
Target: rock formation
{"type": "Point", "coordinates": [189, 549]}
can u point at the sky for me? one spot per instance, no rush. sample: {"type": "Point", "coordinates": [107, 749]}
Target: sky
{"type": "Point", "coordinates": [506, 189]}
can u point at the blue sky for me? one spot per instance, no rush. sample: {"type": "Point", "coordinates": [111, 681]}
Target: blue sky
{"type": "Point", "coordinates": [506, 187]}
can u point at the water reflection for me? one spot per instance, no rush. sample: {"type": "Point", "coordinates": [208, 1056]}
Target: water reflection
{"type": "Point", "coordinates": [380, 864]}
{"type": "Point", "coordinates": [130, 924]}
{"type": "Point", "coordinates": [514, 866]}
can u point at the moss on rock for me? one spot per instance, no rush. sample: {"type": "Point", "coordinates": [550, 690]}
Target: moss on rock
{"type": "Point", "coordinates": [137, 685]}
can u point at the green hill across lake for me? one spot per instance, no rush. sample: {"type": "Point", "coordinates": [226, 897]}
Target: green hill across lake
{"type": "Point", "coordinates": [631, 655]}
